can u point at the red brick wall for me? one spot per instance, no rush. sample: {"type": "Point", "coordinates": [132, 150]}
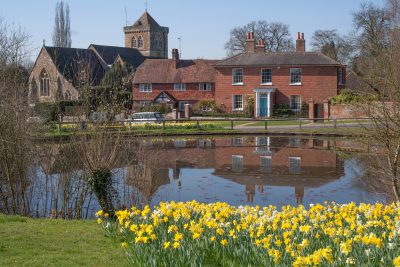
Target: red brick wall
{"type": "Point", "coordinates": [318, 83]}
{"type": "Point", "coordinates": [345, 111]}
{"type": "Point", "coordinates": [192, 92]}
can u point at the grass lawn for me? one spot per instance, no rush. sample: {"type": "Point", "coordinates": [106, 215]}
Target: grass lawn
{"type": "Point", "coordinates": [44, 242]}
{"type": "Point", "coordinates": [279, 123]}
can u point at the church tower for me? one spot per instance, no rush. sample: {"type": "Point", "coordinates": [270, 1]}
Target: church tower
{"type": "Point", "coordinates": [148, 37]}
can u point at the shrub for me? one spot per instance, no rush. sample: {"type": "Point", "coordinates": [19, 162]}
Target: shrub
{"type": "Point", "coordinates": [48, 111]}
{"type": "Point", "coordinates": [249, 106]}
{"type": "Point", "coordinates": [347, 96]}
{"type": "Point", "coordinates": [205, 106]}
{"type": "Point", "coordinates": [282, 110]}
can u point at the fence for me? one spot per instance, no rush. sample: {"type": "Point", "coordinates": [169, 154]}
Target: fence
{"type": "Point", "coordinates": [231, 123]}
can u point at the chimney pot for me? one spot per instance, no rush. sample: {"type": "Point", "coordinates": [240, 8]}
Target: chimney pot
{"type": "Point", "coordinates": [250, 42]}
{"type": "Point", "coordinates": [300, 43]}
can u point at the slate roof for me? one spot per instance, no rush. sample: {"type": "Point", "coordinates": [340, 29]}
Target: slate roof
{"type": "Point", "coordinates": [165, 71]}
{"type": "Point", "coordinates": [145, 22]}
{"type": "Point", "coordinates": [69, 61]}
{"type": "Point", "coordinates": [110, 53]}
{"type": "Point", "coordinates": [278, 58]}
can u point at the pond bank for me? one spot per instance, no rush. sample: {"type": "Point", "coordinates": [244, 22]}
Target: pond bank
{"type": "Point", "coordinates": [49, 242]}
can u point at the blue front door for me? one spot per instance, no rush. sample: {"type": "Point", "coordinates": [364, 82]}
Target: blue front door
{"type": "Point", "coordinates": [263, 105]}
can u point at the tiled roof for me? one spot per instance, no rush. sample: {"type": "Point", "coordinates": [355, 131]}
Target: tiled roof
{"type": "Point", "coordinates": [193, 95]}
{"type": "Point", "coordinates": [110, 53]}
{"type": "Point", "coordinates": [69, 61]}
{"type": "Point", "coordinates": [165, 71]}
{"type": "Point", "coordinates": [278, 58]}
{"type": "Point", "coordinates": [145, 22]}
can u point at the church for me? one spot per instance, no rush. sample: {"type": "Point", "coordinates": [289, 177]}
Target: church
{"type": "Point", "coordinates": [58, 72]}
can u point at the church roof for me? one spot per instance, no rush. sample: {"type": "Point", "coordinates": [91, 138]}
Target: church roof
{"type": "Point", "coordinates": [278, 58]}
{"type": "Point", "coordinates": [145, 22]}
{"type": "Point", "coordinates": [69, 61]}
{"type": "Point", "coordinates": [166, 71]}
{"type": "Point", "coordinates": [110, 53]}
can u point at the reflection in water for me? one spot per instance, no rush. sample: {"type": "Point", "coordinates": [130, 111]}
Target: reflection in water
{"type": "Point", "coordinates": [258, 170]}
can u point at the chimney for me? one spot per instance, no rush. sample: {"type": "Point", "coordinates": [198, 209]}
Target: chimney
{"type": "Point", "coordinates": [250, 43]}
{"type": "Point", "coordinates": [300, 43]}
{"type": "Point", "coordinates": [260, 47]}
{"type": "Point", "coordinates": [175, 56]}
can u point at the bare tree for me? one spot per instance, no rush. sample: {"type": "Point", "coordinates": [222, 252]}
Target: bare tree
{"type": "Point", "coordinates": [333, 45]}
{"type": "Point", "coordinates": [16, 152]}
{"type": "Point", "coordinates": [62, 26]}
{"type": "Point", "coordinates": [276, 36]}
{"type": "Point", "coordinates": [379, 67]}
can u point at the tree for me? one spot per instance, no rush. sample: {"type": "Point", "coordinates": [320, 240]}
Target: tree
{"type": "Point", "coordinates": [378, 64]}
{"type": "Point", "coordinates": [276, 36]}
{"type": "Point", "coordinates": [331, 44]}
{"type": "Point", "coordinates": [62, 26]}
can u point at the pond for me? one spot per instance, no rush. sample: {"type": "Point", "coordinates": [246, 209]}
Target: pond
{"type": "Point", "coordinates": [239, 170]}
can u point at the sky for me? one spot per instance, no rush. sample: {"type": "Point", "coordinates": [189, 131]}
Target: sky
{"type": "Point", "coordinates": [202, 25]}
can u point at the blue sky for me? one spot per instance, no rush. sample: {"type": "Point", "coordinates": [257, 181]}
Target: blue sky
{"type": "Point", "coordinates": [203, 25]}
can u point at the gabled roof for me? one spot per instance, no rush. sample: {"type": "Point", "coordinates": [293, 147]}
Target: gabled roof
{"type": "Point", "coordinates": [109, 54]}
{"type": "Point", "coordinates": [278, 58]}
{"type": "Point", "coordinates": [69, 61]}
{"type": "Point", "coordinates": [166, 71]}
{"type": "Point", "coordinates": [145, 22]}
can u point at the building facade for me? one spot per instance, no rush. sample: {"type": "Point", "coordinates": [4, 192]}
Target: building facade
{"type": "Point", "coordinates": [174, 82]}
{"type": "Point", "coordinates": [273, 79]}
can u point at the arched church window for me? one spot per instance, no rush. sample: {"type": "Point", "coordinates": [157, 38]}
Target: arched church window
{"type": "Point", "coordinates": [140, 41]}
{"type": "Point", "coordinates": [67, 95]}
{"type": "Point", "coordinates": [44, 83]}
{"type": "Point", "coordinates": [134, 44]}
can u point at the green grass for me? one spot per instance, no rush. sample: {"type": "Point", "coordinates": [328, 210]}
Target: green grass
{"type": "Point", "coordinates": [44, 242]}
{"type": "Point", "coordinates": [278, 123]}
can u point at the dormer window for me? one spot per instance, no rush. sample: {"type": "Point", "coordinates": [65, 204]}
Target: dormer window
{"type": "Point", "coordinates": [145, 87]}
{"type": "Point", "coordinates": [44, 83]}
{"type": "Point", "coordinates": [205, 86]}
{"type": "Point", "coordinates": [179, 87]}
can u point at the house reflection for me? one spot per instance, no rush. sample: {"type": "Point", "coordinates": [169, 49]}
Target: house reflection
{"type": "Point", "coordinates": [256, 162]}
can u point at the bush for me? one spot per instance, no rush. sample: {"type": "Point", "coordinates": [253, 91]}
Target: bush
{"type": "Point", "coordinates": [205, 106]}
{"type": "Point", "coordinates": [347, 96]}
{"type": "Point", "coordinates": [282, 110]}
{"type": "Point", "coordinates": [48, 111]}
{"type": "Point", "coordinates": [249, 106]}
{"type": "Point", "coordinates": [162, 108]}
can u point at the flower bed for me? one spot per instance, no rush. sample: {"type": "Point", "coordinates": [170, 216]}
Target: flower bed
{"type": "Point", "coordinates": [196, 234]}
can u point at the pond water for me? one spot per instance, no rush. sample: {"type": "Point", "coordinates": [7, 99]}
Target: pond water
{"type": "Point", "coordinates": [239, 170]}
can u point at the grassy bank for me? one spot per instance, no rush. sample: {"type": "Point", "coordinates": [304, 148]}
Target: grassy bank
{"type": "Point", "coordinates": [43, 242]}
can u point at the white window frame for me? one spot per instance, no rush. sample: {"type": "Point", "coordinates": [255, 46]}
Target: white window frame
{"type": "Point", "coordinates": [234, 102]}
{"type": "Point", "coordinates": [179, 86]}
{"type": "Point", "coordinates": [237, 141]}
{"type": "Point", "coordinates": [145, 87]}
{"type": "Point", "coordinates": [299, 103]}
{"type": "Point", "coordinates": [263, 166]}
{"type": "Point", "coordinates": [234, 78]}
{"type": "Point", "coordinates": [237, 163]}
{"type": "Point", "coordinates": [292, 73]}
{"type": "Point", "coordinates": [291, 166]}
{"type": "Point", "coordinates": [205, 86]}
{"type": "Point", "coordinates": [262, 76]}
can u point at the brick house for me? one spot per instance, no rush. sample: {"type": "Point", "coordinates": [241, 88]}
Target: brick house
{"type": "Point", "coordinates": [274, 78]}
{"type": "Point", "coordinates": [174, 81]}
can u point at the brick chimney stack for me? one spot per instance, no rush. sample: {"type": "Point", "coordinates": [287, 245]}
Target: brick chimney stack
{"type": "Point", "coordinates": [175, 56]}
{"type": "Point", "coordinates": [260, 47]}
{"type": "Point", "coordinates": [250, 42]}
{"type": "Point", "coordinates": [300, 43]}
